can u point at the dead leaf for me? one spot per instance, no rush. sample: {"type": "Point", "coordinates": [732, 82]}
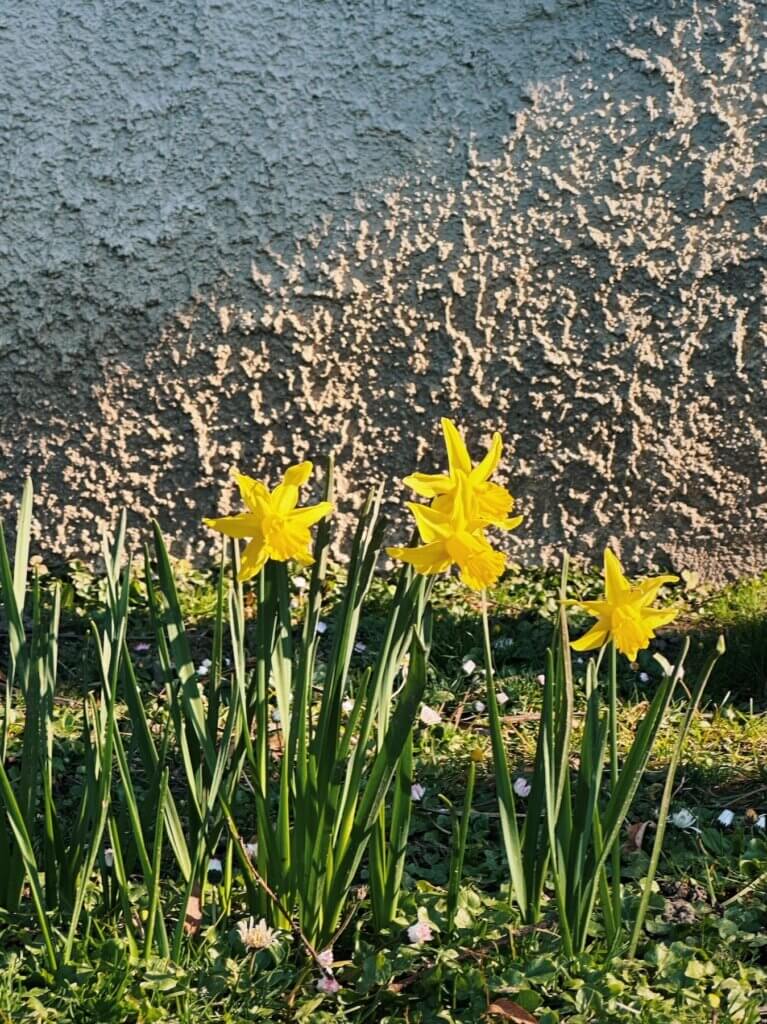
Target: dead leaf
{"type": "Point", "coordinates": [635, 835]}
{"type": "Point", "coordinates": [511, 1011]}
{"type": "Point", "coordinates": [193, 914]}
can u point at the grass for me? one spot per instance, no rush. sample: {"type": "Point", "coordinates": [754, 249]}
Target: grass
{"type": "Point", "coordinates": [705, 957]}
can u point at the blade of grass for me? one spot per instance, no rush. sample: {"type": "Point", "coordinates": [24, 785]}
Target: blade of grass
{"type": "Point", "coordinates": [668, 792]}
{"type": "Point", "coordinates": [154, 890]}
{"type": "Point", "coordinates": [24, 843]}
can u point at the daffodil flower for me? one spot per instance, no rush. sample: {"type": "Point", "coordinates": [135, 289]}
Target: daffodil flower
{"type": "Point", "coordinates": [624, 614]}
{"type": "Point", "coordinates": [275, 527]}
{"type": "Point", "coordinates": [490, 503]}
{"type": "Point", "coordinates": [453, 538]}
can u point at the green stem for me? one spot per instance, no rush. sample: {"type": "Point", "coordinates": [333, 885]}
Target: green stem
{"type": "Point", "coordinates": [459, 852]}
{"type": "Point", "coordinates": [506, 803]}
{"type": "Point", "coordinates": [614, 776]}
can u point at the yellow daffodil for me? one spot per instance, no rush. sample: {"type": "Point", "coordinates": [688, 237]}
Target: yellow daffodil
{"type": "Point", "coordinates": [488, 503]}
{"type": "Point", "coordinates": [451, 537]}
{"type": "Point", "coordinates": [624, 614]}
{"type": "Point", "coordinates": [275, 527]}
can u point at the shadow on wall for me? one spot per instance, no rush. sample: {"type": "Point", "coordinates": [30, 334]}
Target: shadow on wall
{"type": "Point", "coordinates": [590, 285]}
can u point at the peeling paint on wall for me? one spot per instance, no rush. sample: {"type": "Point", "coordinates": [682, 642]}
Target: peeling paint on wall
{"type": "Point", "coordinates": [232, 234]}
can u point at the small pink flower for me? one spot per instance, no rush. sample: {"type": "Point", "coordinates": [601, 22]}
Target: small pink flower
{"type": "Point", "coordinates": [429, 716]}
{"type": "Point", "coordinates": [328, 985]}
{"type": "Point", "coordinates": [325, 958]}
{"type": "Point", "coordinates": [140, 648]}
{"type": "Point", "coordinates": [417, 791]}
{"type": "Point", "coordinates": [419, 932]}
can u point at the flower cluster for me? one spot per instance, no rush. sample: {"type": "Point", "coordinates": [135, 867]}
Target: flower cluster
{"type": "Point", "coordinates": [464, 504]}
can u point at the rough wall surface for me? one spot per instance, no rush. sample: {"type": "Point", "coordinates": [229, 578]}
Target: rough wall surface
{"type": "Point", "coordinates": [237, 231]}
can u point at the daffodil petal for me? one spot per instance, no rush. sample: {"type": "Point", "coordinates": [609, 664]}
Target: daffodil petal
{"type": "Point", "coordinates": [296, 476]}
{"type": "Point", "coordinates": [649, 588]}
{"type": "Point", "coordinates": [595, 637]}
{"type": "Point", "coordinates": [428, 485]}
{"type": "Point", "coordinates": [615, 582]}
{"type": "Point", "coordinates": [457, 453]}
{"type": "Point", "coordinates": [284, 497]}
{"type": "Point", "coordinates": [600, 609]}
{"type": "Point", "coordinates": [241, 526]}
{"type": "Point", "coordinates": [427, 560]}
{"type": "Point", "coordinates": [432, 524]}
{"type": "Point", "coordinates": [508, 524]}
{"type": "Point", "coordinates": [656, 618]}
{"type": "Point", "coordinates": [485, 469]}
{"type": "Point", "coordinates": [254, 558]}
{"type": "Point", "coordinates": [253, 492]}
{"type": "Point", "coordinates": [310, 514]}
{"type": "Point", "coordinates": [304, 558]}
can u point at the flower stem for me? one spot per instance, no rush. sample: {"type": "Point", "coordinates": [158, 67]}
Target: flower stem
{"type": "Point", "coordinates": [461, 835]}
{"type": "Point", "coordinates": [506, 804]}
{"type": "Point", "coordinates": [614, 775]}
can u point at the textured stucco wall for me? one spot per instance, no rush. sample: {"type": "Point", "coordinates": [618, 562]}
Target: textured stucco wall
{"type": "Point", "coordinates": [235, 230]}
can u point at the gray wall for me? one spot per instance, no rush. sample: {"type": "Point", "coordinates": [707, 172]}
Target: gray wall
{"type": "Point", "coordinates": [233, 231]}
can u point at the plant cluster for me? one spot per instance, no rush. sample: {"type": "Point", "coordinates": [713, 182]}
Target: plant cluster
{"type": "Point", "coordinates": [271, 783]}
